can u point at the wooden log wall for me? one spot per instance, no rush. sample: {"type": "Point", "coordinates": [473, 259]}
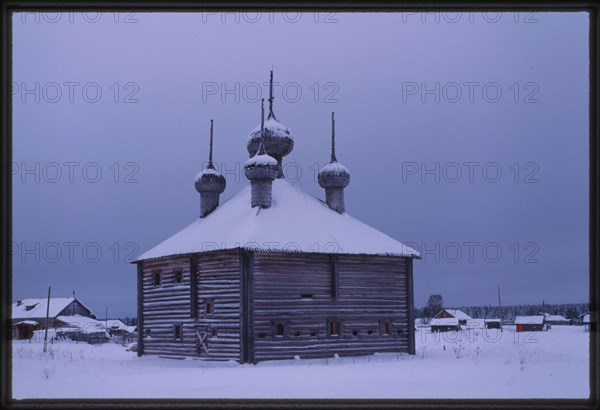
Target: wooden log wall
{"type": "Point", "coordinates": [297, 291]}
{"type": "Point", "coordinates": [219, 284]}
{"type": "Point", "coordinates": [165, 306]}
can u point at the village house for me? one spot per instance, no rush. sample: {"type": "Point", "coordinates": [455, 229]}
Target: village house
{"type": "Point", "coordinates": [29, 315]}
{"type": "Point", "coordinates": [274, 272]}
{"type": "Point", "coordinates": [556, 320]}
{"type": "Point", "coordinates": [445, 324]}
{"type": "Point", "coordinates": [530, 323]}
{"type": "Point", "coordinates": [459, 315]}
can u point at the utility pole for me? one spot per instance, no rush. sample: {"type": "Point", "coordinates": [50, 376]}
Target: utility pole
{"type": "Point", "coordinates": [47, 314]}
{"type": "Point", "coordinates": [500, 307]}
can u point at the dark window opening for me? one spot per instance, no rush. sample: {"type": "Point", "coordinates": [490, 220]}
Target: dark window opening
{"type": "Point", "coordinates": [177, 276]}
{"type": "Point", "coordinates": [306, 295]}
{"type": "Point", "coordinates": [400, 331]}
{"type": "Point", "coordinates": [279, 330]}
{"type": "Point", "coordinates": [177, 332]}
{"type": "Point", "coordinates": [334, 328]}
{"type": "Point", "coordinates": [297, 333]}
{"type": "Point", "coordinates": [370, 332]}
{"type": "Point", "coordinates": [384, 328]}
{"type": "Point", "coordinates": [213, 332]}
{"type": "Point", "coordinates": [355, 332]}
{"type": "Point", "coordinates": [313, 333]}
{"type": "Point", "coordinates": [333, 263]}
{"type": "Point", "coordinates": [210, 308]}
{"type": "Point", "coordinates": [156, 279]}
{"type": "Point", "coordinates": [147, 333]}
{"type": "Point", "coordinates": [261, 335]}
{"type": "Point", "coordinates": [31, 306]}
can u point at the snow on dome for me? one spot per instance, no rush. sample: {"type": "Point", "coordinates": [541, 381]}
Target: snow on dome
{"type": "Point", "coordinates": [334, 167]}
{"type": "Point", "coordinates": [272, 128]}
{"type": "Point", "coordinates": [262, 159]}
{"type": "Point", "coordinates": [206, 171]}
{"type": "Point", "coordinates": [295, 222]}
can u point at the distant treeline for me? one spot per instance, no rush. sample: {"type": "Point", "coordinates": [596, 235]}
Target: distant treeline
{"type": "Point", "coordinates": [568, 310]}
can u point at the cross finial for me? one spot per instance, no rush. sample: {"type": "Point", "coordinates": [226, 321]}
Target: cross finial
{"type": "Point", "coordinates": [261, 147]}
{"type": "Point", "coordinates": [333, 159]}
{"type": "Point", "coordinates": [271, 98]}
{"type": "Point", "coordinates": [210, 152]}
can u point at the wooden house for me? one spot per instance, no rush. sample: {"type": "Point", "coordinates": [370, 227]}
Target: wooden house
{"type": "Point", "coordinates": [445, 324]}
{"type": "Point", "coordinates": [556, 320]}
{"type": "Point", "coordinates": [274, 272]}
{"type": "Point", "coordinates": [461, 316]}
{"type": "Point", "coordinates": [530, 323]}
{"type": "Point", "coordinates": [30, 314]}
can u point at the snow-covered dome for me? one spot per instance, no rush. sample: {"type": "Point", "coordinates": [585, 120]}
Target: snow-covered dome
{"type": "Point", "coordinates": [210, 180]}
{"type": "Point", "coordinates": [261, 166]}
{"type": "Point", "coordinates": [334, 174]}
{"type": "Point", "coordinates": [277, 139]}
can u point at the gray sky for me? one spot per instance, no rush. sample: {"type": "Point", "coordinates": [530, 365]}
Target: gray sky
{"type": "Point", "coordinates": [468, 131]}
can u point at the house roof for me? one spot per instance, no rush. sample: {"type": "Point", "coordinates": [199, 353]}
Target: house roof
{"type": "Point", "coordinates": [556, 318]}
{"type": "Point", "coordinates": [83, 323]}
{"type": "Point", "coordinates": [529, 320]}
{"type": "Point", "coordinates": [295, 222]}
{"type": "Point", "coordinates": [445, 321]}
{"type": "Point", "coordinates": [27, 322]}
{"type": "Point", "coordinates": [35, 308]}
{"type": "Point", "coordinates": [458, 314]}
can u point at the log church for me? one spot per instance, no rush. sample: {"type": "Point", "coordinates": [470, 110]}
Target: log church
{"type": "Point", "coordinates": [274, 272]}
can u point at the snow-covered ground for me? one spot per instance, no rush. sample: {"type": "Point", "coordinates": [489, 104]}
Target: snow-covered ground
{"type": "Point", "coordinates": [552, 364]}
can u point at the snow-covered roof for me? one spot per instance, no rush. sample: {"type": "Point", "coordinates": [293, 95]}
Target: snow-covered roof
{"type": "Point", "coordinates": [556, 318]}
{"type": "Point", "coordinates": [586, 318]}
{"type": "Point", "coordinates": [32, 308]}
{"type": "Point", "coordinates": [27, 322]}
{"type": "Point", "coordinates": [83, 323]}
{"type": "Point", "coordinates": [117, 324]}
{"type": "Point", "coordinates": [529, 320]}
{"type": "Point", "coordinates": [459, 314]}
{"type": "Point", "coordinates": [492, 320]}
{"type": "Point", "coordinates": [445, 321]}
{"type": "Point", "coordinates": [295, 222]}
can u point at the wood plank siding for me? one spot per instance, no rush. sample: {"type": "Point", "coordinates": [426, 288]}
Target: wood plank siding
{"type": "Point", "coordinates": [298, 291]}
{"type": "Point", "coordinates": [252, 306]}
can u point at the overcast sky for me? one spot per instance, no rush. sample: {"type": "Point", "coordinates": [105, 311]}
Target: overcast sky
{"type": "Point", "coordinates": [466, 136]}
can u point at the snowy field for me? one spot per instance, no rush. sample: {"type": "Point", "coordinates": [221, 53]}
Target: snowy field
{"type": "Point", "coordinates": [469, 364]}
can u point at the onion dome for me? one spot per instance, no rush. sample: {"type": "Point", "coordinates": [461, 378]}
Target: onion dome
{"type": "Point", "coordinates": [261, 165]}
{"type": "Point", "coordinates": [276, 137]}
{"type": "Point", "coordinates": [333, 174]}
{"type": "Point", "coordinates": [334, 177]}
{"type": "Point", "coordinates": [209, 183]}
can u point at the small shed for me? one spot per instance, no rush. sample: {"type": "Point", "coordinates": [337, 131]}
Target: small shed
{"type": "Point", "coordinates": [529, 323]}
{"type": "Point", "coordinates": [588, 321]}
{"type": "Point", "coordinates": [23, 330]}
{"type": "Point", "coordinates": [446, 324]}
{"type": "Point", "coordinates": [492, 323]}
